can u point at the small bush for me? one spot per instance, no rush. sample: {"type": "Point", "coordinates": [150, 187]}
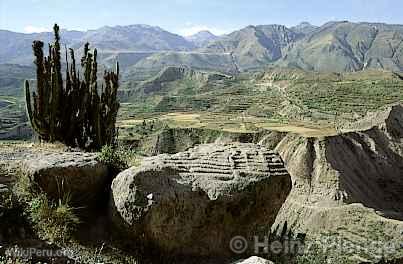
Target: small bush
{"type": "Point", "coordinates": [110, 156]}
{"type": "Point", "coordinates": [23, 188]}
{"type": "Point", "coordinates": [117, 158]}
{"type": "Point", "coordinates": [3, 170]}
{"type": "Point", "coordinates": [7, 201]}
{"type": "Point", "coordinates": [55, 222]}
{"type": "Point", "coordinates": [12, 218]}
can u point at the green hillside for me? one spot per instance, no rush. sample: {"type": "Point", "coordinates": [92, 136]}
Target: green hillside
{"type": "Point", "coordinates": [12, 77]}
{"type": "Point", "coordinates": [198, 60]}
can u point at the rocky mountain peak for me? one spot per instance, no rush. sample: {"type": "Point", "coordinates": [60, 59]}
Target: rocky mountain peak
{"type": "Point", "coordinates": [304, 28]}
{"type": "Point", "coordinates": [202, 38]}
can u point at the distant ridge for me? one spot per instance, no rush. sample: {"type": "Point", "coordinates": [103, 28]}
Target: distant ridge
{"type": "Point", "coordinates": [337, 46]}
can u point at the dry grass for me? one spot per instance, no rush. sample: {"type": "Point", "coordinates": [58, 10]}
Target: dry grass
{"type": "Point", "coordinates": [54, 222]}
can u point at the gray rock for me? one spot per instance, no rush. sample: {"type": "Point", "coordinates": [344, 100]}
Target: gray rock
{"type": "Point", "coordinates": [253, 260]}
{"type": "Point", "coordinates": [3, 188]}
{"type": "Point", "coordinates": [78, 174]}
{"type": "Point", "coordinates": [195, 202]}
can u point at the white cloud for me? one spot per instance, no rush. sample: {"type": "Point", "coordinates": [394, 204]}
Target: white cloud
{"type": "Point", "coordinates": [34, 29]}
{"type": "Point", "coordinates": [191, 29]}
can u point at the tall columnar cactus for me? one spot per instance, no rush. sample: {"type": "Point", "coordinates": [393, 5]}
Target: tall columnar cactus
{"type": "Point", "coordinates": [75, 111]}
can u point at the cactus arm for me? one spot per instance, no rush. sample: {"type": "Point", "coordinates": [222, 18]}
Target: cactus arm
{"type": "Point", "coordinates": [28, 103]}
{"type": "Point", "coordinates": [31, 115]}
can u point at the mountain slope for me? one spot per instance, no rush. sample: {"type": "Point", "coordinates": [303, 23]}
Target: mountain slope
{"type": "Point", "coordinates": [16, 47]}
{"type": "Point", "coordinates": [304, 28]}
{"type": "Point", "coordinates": [135, 38]}
{"type": "Point", "coordinates": [345, 46]}
{"type": "Point", "coordinates": [255, 46]}
{"type": "Point", "coordinates": [12, 77]}
{"type": "Point", "coordinates": [198, 60]}
{"type": "Point", "coordinates": [333, 47]}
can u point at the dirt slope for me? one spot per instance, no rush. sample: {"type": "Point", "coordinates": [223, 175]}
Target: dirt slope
{"type": "Point", "coordinates": [350, 185]}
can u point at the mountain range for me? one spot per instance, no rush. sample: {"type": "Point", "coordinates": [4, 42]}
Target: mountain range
{"type": "Point", "coordinates": [333, 47]}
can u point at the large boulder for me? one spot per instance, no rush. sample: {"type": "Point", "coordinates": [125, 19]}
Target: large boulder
{"type": "Point", "coordinates": [77, 174]}
{"type": "Point", "coordinates": [195, 202]}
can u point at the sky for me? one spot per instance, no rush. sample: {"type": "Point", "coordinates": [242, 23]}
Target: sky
{"type": "Point", "coordinates": [186, 17]}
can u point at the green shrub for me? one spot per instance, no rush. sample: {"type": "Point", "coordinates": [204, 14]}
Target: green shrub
{"type": "Point", "coordinates": [23, 188]}
{"type": "Point", "coordinates": [12, 218]}
{"type": "Point", "coordinates": [117, 158]}
{"type": "Point", "coordinates": [54, 222]}
{"type": "Point", "coordinates": [3, 170]}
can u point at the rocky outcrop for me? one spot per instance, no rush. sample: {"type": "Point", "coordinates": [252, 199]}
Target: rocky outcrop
{"type": "Point", "coordinates": [78, 174]}
{"type": "Point", "coordinates": [195, 202]}
{"type": "Point", "coordinates": [389, 120]}
{"type": "Point", "coordinates": [349, 185]}
{"type": "Point", "coordinates": [174, 140]}
{"type": "Point", "coordinates": [175, 73]}
{"type": "Point", "coordinates": [361, 166]}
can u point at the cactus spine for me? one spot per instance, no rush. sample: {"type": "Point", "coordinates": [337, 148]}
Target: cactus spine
{"type": "Point", "coordinates": [72, 111]}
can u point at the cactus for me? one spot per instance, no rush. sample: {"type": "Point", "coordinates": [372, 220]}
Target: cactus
{"type": "Point", "coordinates": [74, 112]}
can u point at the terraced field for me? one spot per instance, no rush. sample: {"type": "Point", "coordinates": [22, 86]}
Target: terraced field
{"type": "Point", "coordinates": [306, 103]}
{"type": "Point", "coordinates": [12, 117]}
